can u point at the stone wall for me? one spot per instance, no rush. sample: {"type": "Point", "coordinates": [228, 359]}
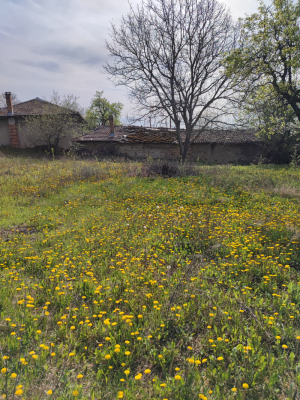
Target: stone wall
{"type": "Point", "coordinates": [204, 152]}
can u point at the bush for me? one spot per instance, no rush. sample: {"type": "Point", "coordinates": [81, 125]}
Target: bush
{"type": "Point", "coordinates": [165, 169]}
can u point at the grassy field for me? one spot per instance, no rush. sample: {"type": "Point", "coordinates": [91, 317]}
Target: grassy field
{"type": "Point", "coordinates": [114, 285]}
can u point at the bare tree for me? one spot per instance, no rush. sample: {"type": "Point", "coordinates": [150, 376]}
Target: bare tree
{"type": "Point", "coordinates": [14, 97]}
{"type": "Point", "coordinates": [68, 101]}
{"type": "Point", "coordinates": [168, 54]}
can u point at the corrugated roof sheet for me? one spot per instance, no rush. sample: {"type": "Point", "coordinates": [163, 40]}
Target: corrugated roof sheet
{"type": "Point", "coordinates": [137, 134]}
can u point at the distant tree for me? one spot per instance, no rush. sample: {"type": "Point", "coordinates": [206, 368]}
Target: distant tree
{"type": "Point", "coordinates": [68, 101]}
{"type": "Point", "coordinates": [274, 120]}
{"type": "Point", "coordinates": [266, 70]}
{"type": "Point", "coordinates": [100, 110]}
{"type": "Point", "coordinates": [269, 54]}
{"type": "Point", "coordinates": [60, 120]}
{"type": "Point", "coordinates": [169, 53]}
{"type": "Point", "coordinates": [15, 99]}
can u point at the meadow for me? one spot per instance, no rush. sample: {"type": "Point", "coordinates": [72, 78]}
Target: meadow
{"type": "Point", "coordinates": [115, 285]}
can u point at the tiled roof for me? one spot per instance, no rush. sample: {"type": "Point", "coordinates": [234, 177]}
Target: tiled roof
{"type": "Point", "coordinates": [136, 134]}
{"type": "Point", "coordinates": [35, 107]}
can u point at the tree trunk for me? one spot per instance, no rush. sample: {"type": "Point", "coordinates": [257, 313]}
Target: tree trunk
{"type": "Point", "coordinates": [183, 154]}
{"type": "Point", "coordinates": [186, 145]}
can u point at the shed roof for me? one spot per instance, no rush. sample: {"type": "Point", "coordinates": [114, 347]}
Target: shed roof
{"type": "Point", "coordinates": [138, 134]}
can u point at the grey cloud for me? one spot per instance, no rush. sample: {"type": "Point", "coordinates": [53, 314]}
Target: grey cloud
{"type": "Point", "coordinates": [50, 66]}
{"type": "Point", "coordinates": [75, 54]}
{"type": "Point", "coordinates": [60, 45]}
{"type": "Point", "coordinates": [96, 60]}
{"type": "Point", "coordinates": [18, 2]}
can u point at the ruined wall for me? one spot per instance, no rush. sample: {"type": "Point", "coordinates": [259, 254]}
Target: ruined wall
{"type": "Point", "coordinates": [203, 152]}
{"type": "Point", "coordinates": [243, 153]}
{"type": "Point", "coordinates": [145, 150]}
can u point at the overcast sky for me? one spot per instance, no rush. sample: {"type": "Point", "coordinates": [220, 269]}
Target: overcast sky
{"type": "Point", "coordinates": [59, 45]}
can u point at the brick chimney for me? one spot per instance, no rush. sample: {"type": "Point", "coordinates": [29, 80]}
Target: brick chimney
{"type": "Point", "coordinates": [13, 129]}
{"type": "Point", "coordinates": [9, 103]}
{"type": "Point", "coordinates": [111, 126]}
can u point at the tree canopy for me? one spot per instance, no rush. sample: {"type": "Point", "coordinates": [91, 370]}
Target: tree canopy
{"type": "Point", "coordinates": [269, 54]}
{"type": "Point", "coordinates": [100, 110]}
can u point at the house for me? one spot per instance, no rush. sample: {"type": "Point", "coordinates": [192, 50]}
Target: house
{"type": "Point", "coordinates": [212, 146]}
{"type": "Point", "coordinates": [12, 120]}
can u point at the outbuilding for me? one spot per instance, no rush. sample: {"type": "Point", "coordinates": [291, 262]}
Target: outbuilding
{"type": "Point", "coordinates": [13, 120]}
{"type": "Point", "coordinates": [137, 142]}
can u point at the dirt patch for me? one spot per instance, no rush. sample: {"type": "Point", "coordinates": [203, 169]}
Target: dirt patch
{"type": "Point", "coordinates": [6, 234]}
{"type": "Point", "coordinates": [288, 192]}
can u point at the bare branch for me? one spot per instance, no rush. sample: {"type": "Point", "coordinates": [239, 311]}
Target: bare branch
{"type": "Point", "coordinates": [168, 54]}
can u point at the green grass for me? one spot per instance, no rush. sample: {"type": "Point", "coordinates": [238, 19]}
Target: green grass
{"type": "Point", "coordinates": [118, 286]}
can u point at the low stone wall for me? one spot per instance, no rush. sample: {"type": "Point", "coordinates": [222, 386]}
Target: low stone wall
{"type": "Point", "coordinates": [204, 152]}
